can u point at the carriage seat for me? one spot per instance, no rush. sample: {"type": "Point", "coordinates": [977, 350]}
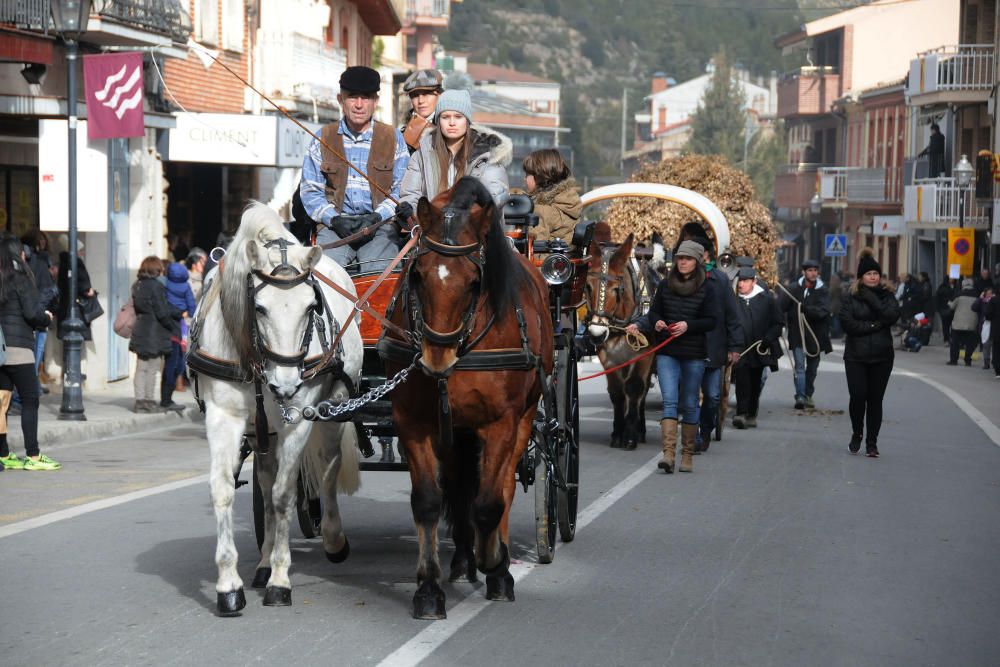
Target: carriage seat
{"type": "Point", "coordinates": [583, 233]}
{"type": "Point", "coordinates": [518, 211]}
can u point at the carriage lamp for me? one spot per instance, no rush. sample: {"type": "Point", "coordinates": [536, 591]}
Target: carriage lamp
{"type": "Point", "coordinates": [557, 269]}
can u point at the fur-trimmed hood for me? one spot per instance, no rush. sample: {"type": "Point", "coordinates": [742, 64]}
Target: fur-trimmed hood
{"type": "Point", "coordinates": [564, 194]}
{"type": "Point", "coordinates": [856, 285]}
{"type": "Point", "coordinates": [491, 147]}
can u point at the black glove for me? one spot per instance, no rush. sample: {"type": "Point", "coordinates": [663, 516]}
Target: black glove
{"type": "Point", "coordinates": [404, 212]}
{"type": "Point", "coordinates": [345, 225]}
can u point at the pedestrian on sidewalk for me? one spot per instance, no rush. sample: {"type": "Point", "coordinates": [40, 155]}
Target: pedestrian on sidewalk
{"type": "Point", "coordinates": [21, 312]}
{"type": "Point", "coordinates": [987, 331]}
{"type": "Point", "coordinates": [680, 307]}
{"type": "Point", "coordinates": [40, 263]}
{"type": "Point", "coordinates": [761, 322]}
{"type": "Point", "coordinates": [964, 323]}
{"type": "Point", "coordinates": [181, 297]}
{"type": "Point", "coordinates": [155, 322]}
{"type": "Point", "coordinates": [83, 288]}
{"type": "Point", "coordinates": [806, 305]}
{"type": "Point", "coordinates": [196, 262]}
{"type": "Point", "coordinates": [868, 313]}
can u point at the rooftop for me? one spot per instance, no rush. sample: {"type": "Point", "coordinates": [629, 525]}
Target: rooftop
{"type": "Point", "coordinates": [483, 72]}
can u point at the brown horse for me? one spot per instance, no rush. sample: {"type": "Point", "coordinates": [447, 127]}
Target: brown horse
{"type": "Point", "coordinates": [613, 301]}
{"type": "Point", "coordinates": [482, 337]}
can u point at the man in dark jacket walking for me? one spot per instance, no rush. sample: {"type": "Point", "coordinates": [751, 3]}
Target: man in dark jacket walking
{"type": "Point", "coordinates": [724, 342]}
{"type": "Point", "coordinates": [807, 310]}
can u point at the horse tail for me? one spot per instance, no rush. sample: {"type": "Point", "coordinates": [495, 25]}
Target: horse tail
{"type": "Point", "coordinates": [460, 478]}
{"type": "Point", "coordinates": [349, 477]}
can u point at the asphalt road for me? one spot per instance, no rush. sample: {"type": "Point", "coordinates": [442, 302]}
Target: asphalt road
{"type": "Point", "coordinates": [780, 549]}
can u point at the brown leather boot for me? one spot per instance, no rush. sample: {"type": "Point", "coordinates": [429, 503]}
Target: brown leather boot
{"type": "Point", "coordinates": [669, 439]}
{"type": "Point", "coordinates": [688, 434]}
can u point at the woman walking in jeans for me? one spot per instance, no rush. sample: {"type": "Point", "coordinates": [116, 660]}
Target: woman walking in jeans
{"type": "Point", "coordinates": [867, 313]}
{"type": "Point", "coordinates": [21, 312]}
{"type": "Point", "coordinates": [681, 307]}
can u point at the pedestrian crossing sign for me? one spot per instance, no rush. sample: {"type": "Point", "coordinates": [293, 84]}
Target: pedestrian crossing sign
{"type": "Point", "coordinates": [836, 245]}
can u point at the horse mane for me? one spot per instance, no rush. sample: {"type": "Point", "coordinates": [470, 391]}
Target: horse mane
{"type": "Point", "coordinates": [504, 276]}
{"type": "Point", "coordinates": [259, 224]}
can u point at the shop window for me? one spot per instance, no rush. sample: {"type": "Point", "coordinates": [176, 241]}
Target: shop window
{"type": "Point", "coordinates": [18, 199]}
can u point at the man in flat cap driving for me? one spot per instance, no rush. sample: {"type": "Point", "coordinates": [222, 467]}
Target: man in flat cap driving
{"type": "Point", "coordinates": [340, 199]}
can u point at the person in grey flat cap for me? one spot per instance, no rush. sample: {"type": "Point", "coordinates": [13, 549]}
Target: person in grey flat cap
{"type": "Point", "coordinates": [807, 308]}
{"type": "Point", "coordinates": [423, 88]}
{"type": "Point", "coordinates": [340, 199]}
{"type": "Point", "coordinates": [680, 307]}
{"type": "Point", "coordinates": [761, 322]}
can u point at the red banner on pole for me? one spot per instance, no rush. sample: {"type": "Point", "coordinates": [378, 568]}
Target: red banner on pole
{"type": "Point", "coordinates": [113, 88]}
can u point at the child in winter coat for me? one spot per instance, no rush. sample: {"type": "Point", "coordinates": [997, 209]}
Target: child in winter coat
{"type": "Point", "coordinates": [181, 297]}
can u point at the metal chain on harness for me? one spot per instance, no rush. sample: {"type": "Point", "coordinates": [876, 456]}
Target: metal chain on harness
{"type": "Point", "coordinates": [330, 411]}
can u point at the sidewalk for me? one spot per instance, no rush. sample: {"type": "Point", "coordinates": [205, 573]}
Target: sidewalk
{"type": "Point", "coordinates": [108, 412]}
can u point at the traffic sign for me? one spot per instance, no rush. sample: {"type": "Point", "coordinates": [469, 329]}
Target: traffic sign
{"type": "Point", "coordinates": [836, 245]}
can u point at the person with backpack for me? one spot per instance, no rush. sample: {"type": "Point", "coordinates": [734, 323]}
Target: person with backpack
{"type": "Point", "coordinates": [156, 321]}
{"type": "Point", "coordinates": [180, 296]}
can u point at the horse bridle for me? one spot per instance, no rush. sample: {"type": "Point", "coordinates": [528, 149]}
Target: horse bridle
{"type": "Point", "coordinates": [279, 277]}
{"type": "Point", "coordinates": [447, 247]}
{"type": "Point", "coordinates": [605, 279]}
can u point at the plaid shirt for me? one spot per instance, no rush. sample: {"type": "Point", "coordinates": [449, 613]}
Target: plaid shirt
{"type": "Point", "coordinates": [357, 195]}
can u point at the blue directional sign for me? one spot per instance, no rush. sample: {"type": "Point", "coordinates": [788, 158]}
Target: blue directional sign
{"type": "Point", "coordinates": [836, 245]}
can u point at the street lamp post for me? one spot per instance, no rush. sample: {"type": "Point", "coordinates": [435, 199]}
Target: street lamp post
{"type": "Point", "coordinates": [69, 18]}
{"type": "Point", "coordinates": [815, 208]}
{"type": "Point", "coordinates": [963, 172]}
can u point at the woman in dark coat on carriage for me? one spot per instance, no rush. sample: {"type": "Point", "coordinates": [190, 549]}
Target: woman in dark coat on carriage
{"type": "Point", "coordinates": [868, 312]}
{"type": "Point", "coordinates": [155, 322]}
{"type": "Point", "coordinates": [761, 321]}
{"type": "Point", "coordinates": [682, 306]}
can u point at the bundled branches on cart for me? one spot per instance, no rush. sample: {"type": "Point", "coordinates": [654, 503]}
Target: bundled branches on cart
{"type": "Point", "coordinates": [751, 230]}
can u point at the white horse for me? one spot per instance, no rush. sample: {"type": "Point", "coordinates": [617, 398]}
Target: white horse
{"type": "Point", "coordinates": [265, 311]}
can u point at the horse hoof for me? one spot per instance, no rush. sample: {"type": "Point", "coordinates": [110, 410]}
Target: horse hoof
{"type": "Point", "coordinates": [260, 577]}
{"type": "Point", "coordinates": [341, 555]}
{"type": "Point", "coordinates": [463, 569]}
{"type": "Point", "coordinates": [230, 604]}
{"type": "Point", "coordinates": [428, 602]}
{"type": "Point", "coordinates": [630, 445]}
{"type": "Point", "coordinates": [500, 588]}
{"type": "Point", "coordinates": [277, 596]}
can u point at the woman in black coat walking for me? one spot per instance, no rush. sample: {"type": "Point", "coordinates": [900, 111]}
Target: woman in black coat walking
{"type": "Point", "coordinates": [155, 322]}
{"type": "Point", "coordinates": [761, 321]}
{"type": "Point", "coordinates": [21, 312]}
{"type": "Point", "coordinates": [869, 310]}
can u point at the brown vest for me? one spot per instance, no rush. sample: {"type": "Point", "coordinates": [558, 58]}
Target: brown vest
{"type": "Point", "coordinates": [379, 167]}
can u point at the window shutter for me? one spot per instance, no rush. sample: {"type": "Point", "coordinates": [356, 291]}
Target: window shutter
{"type": "Point", "coordinates": [233, 25]}
{"type": "Point", "coordinates": [208, 22]}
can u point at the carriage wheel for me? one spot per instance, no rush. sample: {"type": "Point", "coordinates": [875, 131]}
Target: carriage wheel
{"type": "Point", "coordinates": [546, 502]}
{"type": "Point", "coordinates": [569, 445]}
{"type": "Point", "coordinates": [258, 509]}
{"type": "Point", "coordinates": [309, 511]}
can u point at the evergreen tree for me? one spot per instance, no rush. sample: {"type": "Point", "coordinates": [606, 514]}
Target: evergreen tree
{"type": "Point", "coordinates": [768, 152]}
{"type": "Point", "coordinates": [717, 126]}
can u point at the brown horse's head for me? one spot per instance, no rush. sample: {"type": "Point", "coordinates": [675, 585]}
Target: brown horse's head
{"type": "Point", "coordinates": [464, 263]}
{"type": "Point", "coordinates": [610, 292]}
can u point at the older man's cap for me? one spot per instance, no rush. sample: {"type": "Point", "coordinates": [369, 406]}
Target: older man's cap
{"type": "Point", "coordinates": [423, 80]}
{"type": "Point", "coordinates": [360, 79]}
{"type": "Point", "coordinates": [746, 273]}
{"type": "Point", "coordinates": [743, 261]}
{"type": "Point", "coordinates": [810, 264]}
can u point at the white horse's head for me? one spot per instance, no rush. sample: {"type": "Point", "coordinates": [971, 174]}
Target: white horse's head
{"type": "Point", "coordinates": [285, 301]}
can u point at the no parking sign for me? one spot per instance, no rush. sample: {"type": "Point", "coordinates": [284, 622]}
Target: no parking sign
{"type": "Point", "coordinates": [961, 244]}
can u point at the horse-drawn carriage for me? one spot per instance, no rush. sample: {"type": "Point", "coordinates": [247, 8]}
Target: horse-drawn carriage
{"type": "Point", "coordinates": [485, 362]}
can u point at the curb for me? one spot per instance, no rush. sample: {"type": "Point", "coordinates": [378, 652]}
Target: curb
{"type": "Point", "coordinates": [51, 431]}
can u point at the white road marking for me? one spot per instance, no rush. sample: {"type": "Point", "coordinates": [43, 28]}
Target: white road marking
{"type": "Point", "coordinates": [991, 430]}
{"type": "Point", "coordinates": [425, 642]}
{"type": "Point", "coordinates": [443, 272]}
{"type": "Point", "coordinates": [86, 508]}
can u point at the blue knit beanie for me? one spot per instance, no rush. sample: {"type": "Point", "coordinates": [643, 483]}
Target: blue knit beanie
{"type": "Point", "coordinates": [455, 100]}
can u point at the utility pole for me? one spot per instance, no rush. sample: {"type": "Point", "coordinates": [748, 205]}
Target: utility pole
{"type": "Point", "coordinates": [621, 166]}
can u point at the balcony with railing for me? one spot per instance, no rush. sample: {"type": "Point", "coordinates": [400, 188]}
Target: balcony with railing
{"type": "Point", "coordinates": [808, 91]}
{"type": "Point", "coordinates": [843, 186]}
{"type": "Point", "coordinates": [25, 14]}
{"type": "Point", "coordinates": [138, 23]}
{"type": "Point", "coordinates": [432, 13]}
{"type": "Point", "coordinates": [933, 203]}
{"type": "Point", "coordinates": [300, 68]}
{"type": "Point", "coordinates": [959, 73]}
